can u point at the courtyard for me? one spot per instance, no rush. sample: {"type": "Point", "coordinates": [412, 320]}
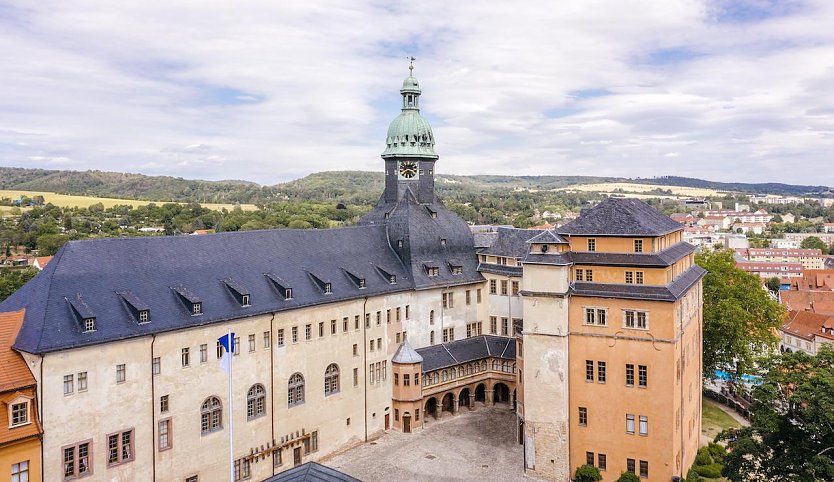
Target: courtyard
{"type": "Point", "coordinates": [473, 445]}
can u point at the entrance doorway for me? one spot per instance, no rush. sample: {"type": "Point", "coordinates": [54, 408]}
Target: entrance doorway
{"type": "Point", "coordinates": [480, 393]}
{"type": "Point", "coordinates": [431, 407]}
{"type": "Point", "coordinates": [448, 403]}
{"type": "Point", "coordinates": [502, 393]}
{"type": "Point", "coordinates": [387, 420]}
{"type": "Point", "coordinates": [463, 398]}
{"type": "Point", "coordinates": [296, 456]}
{"type": "Point", "coordinates": [407, 423]}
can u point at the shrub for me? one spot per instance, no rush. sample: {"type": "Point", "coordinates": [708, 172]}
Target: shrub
{"type": "Point", "coordinates": [717, 452]}
{"type": "Point", "coordinates": [628, 477]}
{"type": "Point", "coordinates": [709, 471]}
{"type": "Point", "coordinates": [703, 457]}
{"type": "Point", "coordinates": [587, 473]}
{"type": "Point", "coordinates": [693, 476]}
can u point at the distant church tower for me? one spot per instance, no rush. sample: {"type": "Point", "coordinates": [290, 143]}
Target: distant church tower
{"type": "Point", "coordinates": [409, 149]}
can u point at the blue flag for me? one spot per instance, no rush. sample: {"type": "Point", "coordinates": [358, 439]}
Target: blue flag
{"type": "Point", "coordinates": [228, 343]}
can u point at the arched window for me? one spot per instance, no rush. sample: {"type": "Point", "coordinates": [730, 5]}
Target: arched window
{"type": "Point", "coordinates": [461, 372]}
{"type": "Point", "coordinates": [431, 338]}
{"type": "Point", "coordinates": [255, 401]}
{"type": "Point", "coordinates": [211, 415]}
{"type": "Point", "coordinates": [295, 392]}
{"type": "Point", "coordinates": [434, 377]}
{"type": "Point", "coordinates": [431, 317]}
{"type": "Point", "coordinates": [444, 375]}
{"type": "Point", "coordinates": [495, 366]}
{"type": "Point", "coordinates": [331, 379]}
{"type": "Point", "coordinates": [483, 365]}
{"type": "Point", "coordinates": [513, 367]}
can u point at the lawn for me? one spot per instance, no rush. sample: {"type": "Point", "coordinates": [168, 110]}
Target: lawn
{"type": "Point", "coordinates": [714, 420]}
{"type": "Point", "coordinates": [64, 200]}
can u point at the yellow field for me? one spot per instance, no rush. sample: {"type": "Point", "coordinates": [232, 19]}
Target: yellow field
{"type": "Point", "coordinates": [64, 200]}
{"type": "Point", "coordinates": [635, 189]}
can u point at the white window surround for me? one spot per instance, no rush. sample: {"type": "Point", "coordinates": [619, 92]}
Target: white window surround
{"type": "Point", "coordinates": [596, 309]}
{"type": "Point", "coordinates": [22, 399]}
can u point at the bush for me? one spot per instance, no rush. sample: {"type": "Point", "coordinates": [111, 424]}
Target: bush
{"type": "Point", "coordinates": [693, 476]}
{"type": "Point", "coordinates": [709, 471]}
{"type": "Point", "coordinates": [587, 473]}
{"type": "Point", "coordinates": [703, 457]}
{"type": "Point", "coordinates": [628, 477]}
{"type": "Point", "coordinates": [717, 452]}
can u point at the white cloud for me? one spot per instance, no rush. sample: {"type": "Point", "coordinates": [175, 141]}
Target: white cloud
{"type": "Point", "coordinates": [269, 91]}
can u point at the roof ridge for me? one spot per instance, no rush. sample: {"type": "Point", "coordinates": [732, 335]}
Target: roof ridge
{"type": "Point", "coordinates": [450, 353]}
{"type": "Point", "coordinates": [506, 347]}
{"type": "Point", "coordinates": [489, 352]}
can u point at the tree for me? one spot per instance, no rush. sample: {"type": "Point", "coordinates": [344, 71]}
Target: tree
{"type": "Point", "coordinates": [791, 436]}
{"type": "Point", "coordinates": [773, 284]}
{"type": "Point", "coordinates": [813, 242]}
{"type": "Point", "coordinates": [11, 279]}
{"type": "Point", "coordinates": [740, 317]}
{"type": "Point", "coordinates": [587, 473]}
{"type": "Point", "coordinates": [628, 477]}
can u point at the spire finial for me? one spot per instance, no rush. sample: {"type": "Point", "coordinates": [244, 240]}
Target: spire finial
{"type": "Point", "coordinates": [411, 65]}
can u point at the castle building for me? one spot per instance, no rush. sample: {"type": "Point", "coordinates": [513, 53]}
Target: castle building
{"type": "Point", "coordinates": [343, 334]}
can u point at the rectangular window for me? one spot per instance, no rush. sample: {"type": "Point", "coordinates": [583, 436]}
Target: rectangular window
{"type": "Point", "coordinates": [314, 440]}
{"type": "Point", "coordinates": [251, 342]}
{"type": "Point", "coordinates": [371, 374]}
{"type": "Point", "coordinates": [515, 288]}
{"type": "Point", "coordinates": [603, 463]}
{"type": "Point", "coordinates": [397, 314]}
{"type": "Point", "coordinates": [629, 319]}
{"type": "Point", "coordinates": [203, 353]}
{"type": "Point", "coordinates": [355, 349]}
{"type": "Point", "coordinates": [478, 295]}
{"type": "Point", "coordinates": [396, 379]}
{"type": "Point", "coordinates": [120, 447]}
{"type": "Point", "coordinates": [493, 324]}
{"type": "Point", "coordinates": [406, 379]}
{"type": "Point", "coordinates": [355, 377]}
{"type": "Point", "coordinates": [20, 413]}
{"type": "Point", "coordinates": [20, 471]}
{"type": "Point", "coordinates": [629, 375]}
{"type": "Point", "coordinates": [589, 370]}
{"type": "Point", "coordinates": [505, 326]}
{"type": "Point", "coordinates": [644, 425]}
{"type": "Point", "coordinates": [629, 277]}
{"type": "Point", "coordinates": [163, 404]}
{"type": "Point", "coordinates": [644, 468]}
{"type": "Point", "coordinates": [629, 423]}
{"type": "Point", "coordinates": [267, 339]}
{"type": "Point", "coordinates": [503, 287]}
{"type": "Point", "coordinates": [345, 324]}
{"type": "Point", "coordinates": [468, 297]}
{"type": "Point", "coordinates": [372, 345]}
{"type": "Point", "coordinates": [121, 373]}
{"type": "Point", "coordinates": [493, 287]}
{"type": "Point", "coordinates": [186, 357]}
{"type": "Point", "coordinates": [601, 371]}
{"type": "Point", "coordinates": [82, 381]}
{"type": "Point", "coordinates": [630, 467]}
{"type": "Point", "coordinates": [643, 375]}
{"type": "Point", "coordinates": [589, 458]}
{"type": "Point", "coordinates": [156, 367]}
{"type": "Point", "coordinates": [321, 329]}
{"type": "Point", "coordinates": [367, 320]}
{"type": "Point", "coordinates": [388, 316]}
{"type": "Point", "coordinates": [308, 331]}
{"type": "Point", "coordinates": [583, 416]}
{"type": "Point", "coordinates": [379, 343]}
{"type": "Point", "coordinates": [277, 458]}
{"type": "Point", "coordinates": [378, 318]}
{"type": "Point", "coordinates": [77, 461]}
{"type": "Point", "coordinates": [295, 334]}
{"type": "Point", "coordinates": [398, 338]}
{"type": "Point", "coordinates": [590, 316]}
{"type": "Point", "coordinates": [592, 244]}
{"type": "Point", "coordinates": [642, 322]}
{"type": "Point", "coordinates": [579, 274]}
{"type": "Point", "coordinates": [280, 337]}
{"type": "Point", "coordinates": [638, 277]}
{"type": "Point", "coordinates": [407, 312]}
{"type": "Point", "coordinates": [243, 469]}
{"type": "Point", "coordinates": [638, 245]}
{"type": "Point", "coordinates": [589, 275]}
{"type": "Point", "coordinates": [164, 434]}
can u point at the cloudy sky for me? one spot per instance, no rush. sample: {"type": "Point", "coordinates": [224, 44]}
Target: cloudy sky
{"type": "Point", "coordinates": [272, 90]}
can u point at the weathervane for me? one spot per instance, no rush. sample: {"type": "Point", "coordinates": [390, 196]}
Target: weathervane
{"type": "Point", "coordinates": [411, 65]}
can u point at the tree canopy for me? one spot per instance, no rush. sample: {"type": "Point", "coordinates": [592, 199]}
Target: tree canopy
{"type": "Point", "coordinates": [813, 242]}
{"type": "Point", "coordinates": [740, 317]}
{"type": "Point", "coordinates": [791, 437]}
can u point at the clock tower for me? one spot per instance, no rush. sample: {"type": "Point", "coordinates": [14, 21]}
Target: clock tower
{"type": "Point", "coordinates": [409, 149]}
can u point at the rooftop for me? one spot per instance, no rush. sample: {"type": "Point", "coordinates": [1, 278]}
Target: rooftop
{"type": "Point", "coordinates": [620, 217]}
{"type": "Point", "coordinates": [466, 350]}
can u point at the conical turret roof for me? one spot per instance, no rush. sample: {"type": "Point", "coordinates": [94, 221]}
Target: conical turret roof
{"type": "Point", "coordinates": [406, 354]}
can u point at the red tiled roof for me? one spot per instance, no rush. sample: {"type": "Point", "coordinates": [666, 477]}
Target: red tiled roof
{"type": "Point", "coordinates": [821, 302]}
{"type": "Point", "coordinates": [807, 325]}
{"type": "Point", "coordinates": [15, 379]}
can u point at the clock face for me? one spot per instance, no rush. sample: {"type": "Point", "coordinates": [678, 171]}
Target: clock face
{"type": "Point", "coordinates": [408, 169]}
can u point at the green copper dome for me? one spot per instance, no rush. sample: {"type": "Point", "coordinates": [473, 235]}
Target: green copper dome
{"type": "Point", "coordinates": [409, 134]}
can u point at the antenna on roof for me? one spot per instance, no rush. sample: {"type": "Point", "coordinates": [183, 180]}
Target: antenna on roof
{"type": "Point", "coordinates": [411, 65]}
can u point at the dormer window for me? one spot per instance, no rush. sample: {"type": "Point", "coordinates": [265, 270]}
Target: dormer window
{"type": "Point", "coordinates": [386, 215]}
{"type": "Point", "coordinates": [361, 283]}
{"type": "Point", "coordinates": [457, 269]}
{"type": "Point", "coordinates": [197, 308]}
{"type": "Point", "coordinates": [19, 414]}
{"type": "Point", "coordinates": [328, 288]}
{"type": "Point", "coordinates": [455, 266]}
{"type": "Point", "coordinates": [192, 301]}
{"type": "Point", "coordinates": [392, 278]}
{"type": "Point", "coordinates": [443, 241]}
{"type": "Point", "coordinates": [238, 291]}
{"type": "Point", "coordinates": [244, 300]}
{"type": "Point", "coordinates": [85, 316]}
{"type": "Point", "coordinates": [282, 286]}
{"type": "Point", "coordinates": [89, 324]}
{"type": "Point", "coordinates": [140, 311]}
{"type": "Point", "coordinates": [144, 316]}
{"type": "Point", "coordinates": [400, 243]}
{"type": "Point", "coordinates": [544, 248]}
{"type": "Point", "coordinates": [288, 294]}
{"type": "Point", "coordinates": [432, 271]}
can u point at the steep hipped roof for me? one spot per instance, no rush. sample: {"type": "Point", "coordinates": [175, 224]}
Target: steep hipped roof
{"type": "Point", "coordinates": [547, 237]}
{"type": "Point", "coordinates": [311, 472]}
{"type": "Point", "coordinates": [456, 352]}
{"type": "Point", "coordinates": [815, 301]}
{"type": "Point", "coordinates": [620, 217]}
{"type": "Point", "coordinates": [510, 242]}
{"type": "Point", "coordinates": [807, 325]}
{"type": "Point", "coordinates": [150, 268]}
{"type": "Point", "coordinates": [405, 354]}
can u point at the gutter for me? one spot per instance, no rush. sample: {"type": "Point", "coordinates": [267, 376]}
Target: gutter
{"type": "Point", "coordinates": [153, 415]}
{"type": "Point", "coordinates": [272, 386]}
{"type": "Point", "coordinates": [365, 363]}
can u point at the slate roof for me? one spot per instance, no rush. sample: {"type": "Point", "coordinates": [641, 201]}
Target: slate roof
{"type": "Point", "coordinates": [620, 217]}
{"type": "Point", "coordinates": [412, 223]}
{"type": "Point", "coordinates": [469, 349]}
{"type": "Point", "coordinates": [102, 270]}
{"type": "Point", "coordinates": [670, 292]}
{"type": "Point", "coordinates": [667, 257]}
{"type": "Point", "coordinates": [511, 242]}
{"type": "Point", "coordinates": [311, 472]}
{"type": "Point", "coordinates": [500, 269]}
{"type": "Point", "coordinates": [406, 354]}
{"type": "Point", "coordinates": [556, 259]}
{"type": "Point", "coordinates": [547, 237]}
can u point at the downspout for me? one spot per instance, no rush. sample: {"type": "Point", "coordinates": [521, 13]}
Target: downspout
{"type": "Point", "coordinates": [365, 362]}
{"type": "Point", "coordinates": [153, 414]}
{"type": "Point", "coordinates": [272, 386]}
{"type": "Point", "coordinates": [41, 411]}
{"type": "Point", "coordinates": [509, 305]}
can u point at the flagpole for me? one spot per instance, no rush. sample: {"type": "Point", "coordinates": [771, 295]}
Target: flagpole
{"type": "Point", "coordinates": [231, 342]}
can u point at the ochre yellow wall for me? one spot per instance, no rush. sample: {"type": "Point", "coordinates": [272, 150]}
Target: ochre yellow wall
{"type": "Point", "coordinates": [660, 317]}
{"type": "Point", "coordinates": [614, 244]}
{"type": "Point", "coordinates": [616, 274]}
{"type": "Point", "coordinates": [15, 452]}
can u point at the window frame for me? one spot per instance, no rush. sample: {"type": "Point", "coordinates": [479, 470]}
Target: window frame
{"type": "Point", "coordinates": [168, 434]}
{"type": "Point", "coordinates": [120, 447]}
{"type": "Point", "coordinates": [76, 450]}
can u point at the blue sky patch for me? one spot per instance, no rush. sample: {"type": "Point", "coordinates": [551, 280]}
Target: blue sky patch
{"type": "Point", "coordinates": [747, 11]}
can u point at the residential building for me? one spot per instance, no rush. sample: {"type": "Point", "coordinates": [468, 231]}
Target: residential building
{"type": "Point", "coordinates": [810, 259]}
{"type": "Point", "coordinates": [20, 428]}
{"type": "Point", "coordinates": [769, 270]}
{"type": "Point", "coordinates": [806, 331]}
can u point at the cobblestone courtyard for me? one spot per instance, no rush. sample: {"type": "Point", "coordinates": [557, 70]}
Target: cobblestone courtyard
{"type": "Point", "coordinates": [472, 445]}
